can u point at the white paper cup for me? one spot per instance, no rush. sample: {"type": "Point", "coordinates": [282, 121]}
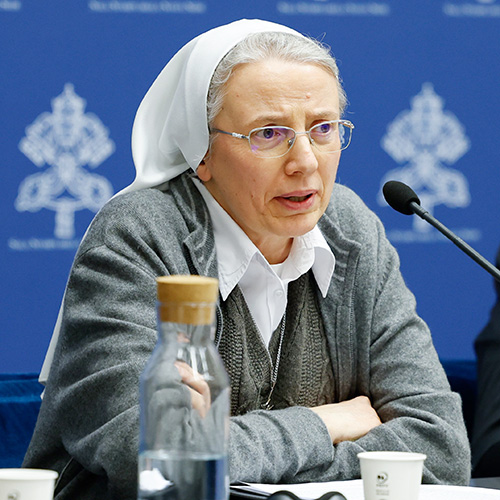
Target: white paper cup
{"type": "Point", "coordinates": [27, 484]}
{"type": "Point", "coordinates": [391, 475]}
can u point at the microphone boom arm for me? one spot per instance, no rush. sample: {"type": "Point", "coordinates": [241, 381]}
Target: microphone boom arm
{"type": "Point", "coordinates": [465, 247]}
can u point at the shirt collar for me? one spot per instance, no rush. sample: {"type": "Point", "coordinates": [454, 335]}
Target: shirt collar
{"type": "Point", "coordinates": [235, 251]}
{"type": "Point", "coordinates": [311, 251]}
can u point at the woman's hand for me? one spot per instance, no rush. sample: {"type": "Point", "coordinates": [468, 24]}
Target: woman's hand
{"type": "Point", "coordinates": [198, 387]}
{"type": "Point", "coordinates": [348, 420]}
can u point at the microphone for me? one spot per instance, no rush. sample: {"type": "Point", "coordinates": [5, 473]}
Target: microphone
{"type": "Point", "coordinates": [404, 200]}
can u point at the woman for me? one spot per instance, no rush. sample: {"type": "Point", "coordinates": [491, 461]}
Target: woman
{"type": "Point", "coordinates": [236, 147]}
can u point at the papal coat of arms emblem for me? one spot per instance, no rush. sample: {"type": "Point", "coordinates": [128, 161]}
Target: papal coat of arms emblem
{"type": "Point", "coordinates": [427, 139]}
{"type": "Point", "coordinates": [66, 140]}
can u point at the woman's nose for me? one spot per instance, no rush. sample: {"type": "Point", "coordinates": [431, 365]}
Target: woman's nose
{"type": "Point", "coordinates": [301, 157]}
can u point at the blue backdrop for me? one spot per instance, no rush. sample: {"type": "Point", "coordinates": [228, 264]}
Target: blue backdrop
{"type": "Point", "coordinates": [422, 81]}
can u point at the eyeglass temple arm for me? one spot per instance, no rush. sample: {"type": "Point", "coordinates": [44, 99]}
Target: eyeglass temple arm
{"type": "Point", "coordinates": [232, 134]}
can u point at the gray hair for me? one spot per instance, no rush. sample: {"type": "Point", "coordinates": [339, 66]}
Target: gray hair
{"type": "Point", "coordinates": [266, 45]}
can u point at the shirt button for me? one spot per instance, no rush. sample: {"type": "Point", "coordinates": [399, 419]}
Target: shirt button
{"type": "Point", "coordinates": [278, 293]}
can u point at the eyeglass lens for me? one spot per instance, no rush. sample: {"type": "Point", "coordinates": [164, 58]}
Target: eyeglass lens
{"type": "Point", "coordinates": [328, 137]}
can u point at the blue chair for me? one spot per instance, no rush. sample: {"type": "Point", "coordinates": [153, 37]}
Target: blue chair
{"type": "Point", "coordinates": [462, 375]}
{"type": "Point", "coordinates": [19, 406]}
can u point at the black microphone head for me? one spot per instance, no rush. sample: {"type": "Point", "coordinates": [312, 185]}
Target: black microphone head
{"type": "Point", "coordinates": [399, 196]}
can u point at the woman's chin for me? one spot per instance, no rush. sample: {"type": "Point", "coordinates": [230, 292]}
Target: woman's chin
{"type": "Point", "coordinates": [299, 225]}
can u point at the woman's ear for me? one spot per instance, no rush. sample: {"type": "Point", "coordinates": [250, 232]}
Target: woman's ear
{"type": "Point", "coordinates": [203, 170]}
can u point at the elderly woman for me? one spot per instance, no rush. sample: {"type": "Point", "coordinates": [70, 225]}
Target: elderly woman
{"type": "Point", "coordinates": [236, 146]}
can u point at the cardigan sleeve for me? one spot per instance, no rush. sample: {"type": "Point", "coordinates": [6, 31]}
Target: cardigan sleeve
{"type": "Point", "coordinates": [407, 383]}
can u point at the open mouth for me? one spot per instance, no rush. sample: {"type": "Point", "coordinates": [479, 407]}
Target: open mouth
{"type": "Point", "coordinates": [298, 199]}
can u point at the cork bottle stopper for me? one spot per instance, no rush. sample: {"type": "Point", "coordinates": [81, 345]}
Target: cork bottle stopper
{"type": "Point", "coordinates": [187, 299]}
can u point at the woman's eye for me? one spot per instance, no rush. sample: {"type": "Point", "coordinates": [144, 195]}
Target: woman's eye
{"type": "Point", "coordinates": [268, 133]}
{"type": "Point", "coordinates": [324, 128]}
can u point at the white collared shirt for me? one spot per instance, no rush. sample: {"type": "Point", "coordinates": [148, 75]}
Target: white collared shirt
{"type": "Point", "coordinates": [264, 286]}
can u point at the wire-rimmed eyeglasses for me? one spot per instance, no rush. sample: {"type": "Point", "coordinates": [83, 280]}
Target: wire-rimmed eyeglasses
{"type": "Point", "coordinates": [275, 141]}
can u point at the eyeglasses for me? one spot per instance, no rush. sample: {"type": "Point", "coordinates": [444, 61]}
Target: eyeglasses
{"type": "Point", "coordinates": [274, 141]}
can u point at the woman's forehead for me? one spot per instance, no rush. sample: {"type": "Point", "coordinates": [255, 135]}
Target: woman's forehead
{"type": "Point", "coordinates": [269, 90]}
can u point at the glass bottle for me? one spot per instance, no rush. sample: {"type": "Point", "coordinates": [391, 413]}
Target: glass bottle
{"type": "Point", "coordinates": [184, 398]}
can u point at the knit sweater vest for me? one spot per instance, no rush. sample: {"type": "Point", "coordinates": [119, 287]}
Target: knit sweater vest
{"type": "Point", "coordinates": [304, 377]}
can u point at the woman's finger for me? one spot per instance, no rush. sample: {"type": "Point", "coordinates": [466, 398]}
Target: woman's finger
{"type": "Point", "coordinates": [200, 391]}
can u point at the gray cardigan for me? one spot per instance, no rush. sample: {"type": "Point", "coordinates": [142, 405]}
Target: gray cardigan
{"type": "Point", "coordinates": [88, 424]}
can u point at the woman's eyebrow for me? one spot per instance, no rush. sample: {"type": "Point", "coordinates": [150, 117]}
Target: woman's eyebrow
{"type": "Point", "coordinates": [269, 117]}
{"type": "Point", "coordinates": [281, 118]}
{"type": "Point", "coordinates": [325, 114]}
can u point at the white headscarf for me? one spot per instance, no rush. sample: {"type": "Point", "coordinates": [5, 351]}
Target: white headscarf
{"type": "Point", "coordinates": [170, 131]}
